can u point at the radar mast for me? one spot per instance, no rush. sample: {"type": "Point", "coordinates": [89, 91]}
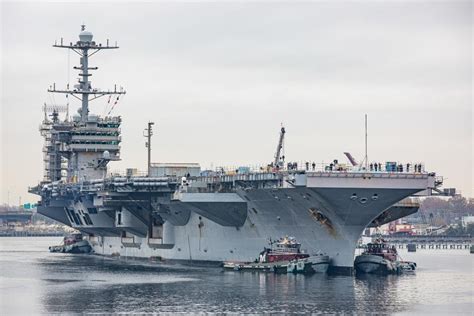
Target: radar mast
{"type": "Point", "coordinates": [82, 91]}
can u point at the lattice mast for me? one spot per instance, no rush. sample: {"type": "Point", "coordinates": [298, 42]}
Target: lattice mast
{"type": "Point", "coordinates": [85, 48]}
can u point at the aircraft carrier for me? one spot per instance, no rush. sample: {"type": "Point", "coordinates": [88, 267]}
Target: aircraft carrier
{"type": "Point", "coordinates": [176, 211]}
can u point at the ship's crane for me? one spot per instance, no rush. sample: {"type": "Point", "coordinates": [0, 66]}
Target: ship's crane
{"type": "Point", "coordinates": [278, 155]}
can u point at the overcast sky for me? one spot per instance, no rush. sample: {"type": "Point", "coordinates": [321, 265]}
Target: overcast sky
{"type": "Point", "coordinates": [219, 79]}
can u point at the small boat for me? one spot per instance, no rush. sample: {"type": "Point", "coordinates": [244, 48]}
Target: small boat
{"type": "Point", "coordinates": [406, 266]}
{"type": "Point", "coordinates": [381, 258]}
{"type": "Point", "coordinates": [296, 266]}
{"type": "Point", "coordinates": [283, 256]}
{"type": "Point", "coordinates": [72, 244]}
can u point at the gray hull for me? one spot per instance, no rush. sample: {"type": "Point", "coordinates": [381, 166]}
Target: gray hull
{"type": "Point", "coordinates": [326, 212]}
{"type": "Point", "coordinates": [374, 265]}
{"type": "Point", "coordinates": [320, 264]}
{"type": "Point", "coordinates": [270, 213]}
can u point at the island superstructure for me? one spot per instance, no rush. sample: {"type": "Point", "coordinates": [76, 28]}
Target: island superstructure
{"type": "Point", "coordinates": [176, 211]}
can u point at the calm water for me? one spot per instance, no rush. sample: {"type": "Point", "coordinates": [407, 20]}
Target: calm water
{"type": "Point", "coordinates": [33, 281]}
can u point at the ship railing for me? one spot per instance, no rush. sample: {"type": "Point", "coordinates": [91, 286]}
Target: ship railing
{"type": "Point", "coordinates": [127, 173]}
{"type": "Point", "coordinates": [111, 119]}
{"type": "Point", "coordinates": [308, 166]}
{"type": "Point", "coordinates": [249, 173]}
{"type": "Point", "coordinates": [95, 185]}
{"type": "Point", "coordinates": [252, 176]}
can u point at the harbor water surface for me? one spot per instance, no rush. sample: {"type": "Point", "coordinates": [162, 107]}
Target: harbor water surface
{"type": "Point", "coordinates": [34, 281]}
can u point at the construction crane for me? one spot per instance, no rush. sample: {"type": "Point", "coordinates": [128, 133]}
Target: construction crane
{"type": "Point", "coordinates": [277, 163]}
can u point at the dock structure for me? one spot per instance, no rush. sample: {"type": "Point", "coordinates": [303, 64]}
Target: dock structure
{"type": "Point", "coordinates": [431, 242]}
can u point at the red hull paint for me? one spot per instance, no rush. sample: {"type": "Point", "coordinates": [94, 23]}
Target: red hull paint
{"type": "Point", "coordinates": [272, 257]}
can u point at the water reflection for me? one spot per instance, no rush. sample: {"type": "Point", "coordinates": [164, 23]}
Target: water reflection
{"type": "Point", "coordinates": [123, 286]}
{"type": "Point", "coordinates": [36, 281]}
{"type": "Point", "coordinates": [375, 292]}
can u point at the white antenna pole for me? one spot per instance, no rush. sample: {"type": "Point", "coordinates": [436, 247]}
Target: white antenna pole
{"type": "Point", "coordinates": [366, 158]}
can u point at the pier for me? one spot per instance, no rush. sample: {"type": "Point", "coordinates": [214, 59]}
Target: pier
{"type": "Point", "coordinates": [431, 242]}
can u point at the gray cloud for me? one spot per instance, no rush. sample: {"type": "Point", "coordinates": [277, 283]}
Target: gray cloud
{"type": "Point", "coordinates": [218, 79]}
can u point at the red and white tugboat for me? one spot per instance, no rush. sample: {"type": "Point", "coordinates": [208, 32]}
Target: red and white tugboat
{"type": "Point", "coordinates": [284, 256]}
{"type": "Point", "coordinates": [381, 258]}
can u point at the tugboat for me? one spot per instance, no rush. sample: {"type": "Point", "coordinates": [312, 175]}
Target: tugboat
{"type": "Point", "coordinates": [381, 258]}
{"type": "Point", "coordinates": [284, 256]}
{"type": "Point", "coordinates": [72, 244]}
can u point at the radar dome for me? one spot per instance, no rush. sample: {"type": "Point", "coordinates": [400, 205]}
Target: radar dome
{"type": "Point", "coordinates": [106, 155]}
{"type": "Point", "coordinates": [85, 36]}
